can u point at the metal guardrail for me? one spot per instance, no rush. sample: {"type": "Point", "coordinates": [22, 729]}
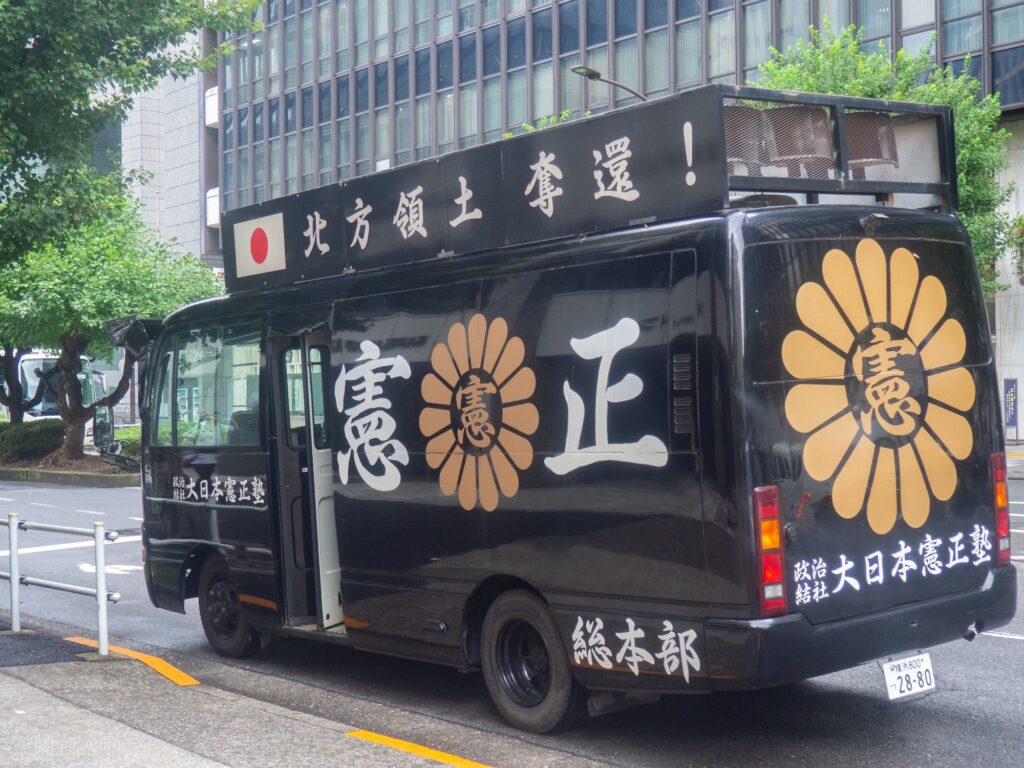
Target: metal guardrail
{"type": "Point", "coordinates": [99, 537]}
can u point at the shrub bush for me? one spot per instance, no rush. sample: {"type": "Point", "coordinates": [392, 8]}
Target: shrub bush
{"type": "Point", "coordinates": [30, 440]}
{"type": "Point", "coordinates": [130, 439]}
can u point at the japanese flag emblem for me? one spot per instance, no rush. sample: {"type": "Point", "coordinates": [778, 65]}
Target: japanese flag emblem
{"type": "Point", "coordinates": [259, 245]}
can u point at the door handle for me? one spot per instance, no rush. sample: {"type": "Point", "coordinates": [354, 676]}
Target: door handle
{"type": "Point", "coordinates": [304, 470]}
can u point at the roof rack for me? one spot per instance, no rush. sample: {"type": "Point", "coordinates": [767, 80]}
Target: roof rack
{"type": "Point", "coordinates": [788, 142]}
{"type": "Point", "coordinates": [694, 153]}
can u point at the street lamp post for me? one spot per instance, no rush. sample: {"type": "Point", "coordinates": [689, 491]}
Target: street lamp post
{"type": "Point", "coordinates": [593, 74]}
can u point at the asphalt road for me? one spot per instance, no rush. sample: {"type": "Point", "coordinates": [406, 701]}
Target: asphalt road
{"type": "Point", "coordinates": [843, 719]}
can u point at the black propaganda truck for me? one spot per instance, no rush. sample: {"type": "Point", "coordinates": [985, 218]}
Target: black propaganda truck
{"type": "Point", "coordinates": [692, 396]}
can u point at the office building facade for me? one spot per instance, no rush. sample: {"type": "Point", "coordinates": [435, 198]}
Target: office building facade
{"type": "Point", "coordinates": [332, 89]}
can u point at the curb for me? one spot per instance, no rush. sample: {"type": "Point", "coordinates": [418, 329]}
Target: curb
{"type": "Point", "coordinates": [83, 479]}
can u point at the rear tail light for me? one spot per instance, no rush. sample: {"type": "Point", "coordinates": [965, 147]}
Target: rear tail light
{"type": "Point", "coordinates": [769, 550]}
{"type": "Point", "coordinates": [1002, 508]}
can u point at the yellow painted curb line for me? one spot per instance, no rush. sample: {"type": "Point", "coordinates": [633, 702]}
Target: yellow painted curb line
{"type": "Point", "coordinates": [415, 749]}
{"type": "Point", "coordinates": [160, 666]}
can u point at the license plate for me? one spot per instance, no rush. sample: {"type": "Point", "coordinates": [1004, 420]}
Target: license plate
{"type": "Point", "coordinates": [909, 676]}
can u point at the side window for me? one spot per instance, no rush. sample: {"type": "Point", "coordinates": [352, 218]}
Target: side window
{"type": "Point", "coordinates": [318, 357]}
{"type": "Point", "coordinates": [295, 395]}
{"type": "Point", "coordinates": [162, 432]}
{"type": "Point", "coordinates": [198, 415]}
{"type": "Point", "coordinates": [238, 386]}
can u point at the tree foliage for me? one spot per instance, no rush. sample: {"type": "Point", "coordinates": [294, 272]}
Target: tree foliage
{"type": "Point", "coordinates": [61, 294]}
{"type": "Point", "coordinates": [68, 69]}
{"type": "Point", "coordinates": [837, 64]}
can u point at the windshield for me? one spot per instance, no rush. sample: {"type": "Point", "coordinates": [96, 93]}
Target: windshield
{"type": "Point", "coordinates": [48, 405]}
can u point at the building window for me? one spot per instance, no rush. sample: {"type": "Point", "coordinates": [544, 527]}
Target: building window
{"type": "Point", "coordinates": [515, 55]}
{"type": "Point", "coordinates": [1007, 22]}
{"type": "Point", "coordinates": [362, 29]}
{"type": "Point", "coordinates": [961, 30]}
{"type": "Point", "coordinates": [757, 37]}
{"type": "Point", "coordinates": [1008, 75]}
{"type": "Point", "coordinates": [876, 19]}
{"type": "Point", "coordinates": [597, 51]}
{"type": "Point", "coordinates": [290, 54]}
{"type": "Point", "coordinates": [836, 11]}
{"type": "Point", "coordinates": [722, 44]}
{"type": "Point", "coordinates": [570, 84]}
{"type": "Point", "coordinates": [445, 99]}
{"type": "Point", "coordinates": [689, 50]}
{"type": "Point", "coordinates": [343, 28]}
{"type": "Point", "coordinates": [543, 75]}
{"type": "Point", "coordinates": [362, 122]}
{"type": "Point", "coordinates": [794, 19]}
{"type": "Point", "coordinates": [381, 38]}
{"type": "Point", "coordinates": [323, 41]}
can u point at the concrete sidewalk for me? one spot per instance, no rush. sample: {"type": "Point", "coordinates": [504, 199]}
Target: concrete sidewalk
{"type": "Point", "coordinates": [60, 710]}
{"type": "Point", "coordinates": [1015, 462]}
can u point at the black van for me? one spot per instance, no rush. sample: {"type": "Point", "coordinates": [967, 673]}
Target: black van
{"type": "Point", "coordinates": [681, 398]}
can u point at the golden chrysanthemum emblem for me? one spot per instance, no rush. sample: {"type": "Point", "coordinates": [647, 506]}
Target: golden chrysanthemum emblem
{"type": "Point", "coordinates": [883, 391]}
{"type": "Point", "coordinates": [478, 416]}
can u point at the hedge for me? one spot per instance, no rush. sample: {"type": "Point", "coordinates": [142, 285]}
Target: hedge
{"type": "Point", "coordinates": [30, 440]}
{"type": "Point", "coordinates": [130, 439]}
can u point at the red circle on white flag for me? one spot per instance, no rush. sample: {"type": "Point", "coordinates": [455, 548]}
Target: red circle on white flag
{"type": "Point", "coordinates": [259, 246]}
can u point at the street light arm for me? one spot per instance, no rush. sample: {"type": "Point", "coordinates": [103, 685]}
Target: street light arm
{"type": "Point", "coordinates": [593, 74]}
{"type": "Point", "coordinates": [623, 86]}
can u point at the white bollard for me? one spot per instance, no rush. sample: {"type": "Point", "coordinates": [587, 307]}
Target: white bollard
{"type": "Point", "coordinates": [101, 588]}
{"type": "Point", "coordinates": [12, 545]}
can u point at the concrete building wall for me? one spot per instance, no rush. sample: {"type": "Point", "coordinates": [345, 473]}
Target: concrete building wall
{"type": "Point", "coordinates": [161, 136]}
{"type": "Point", "coordinates": [1010, 303]}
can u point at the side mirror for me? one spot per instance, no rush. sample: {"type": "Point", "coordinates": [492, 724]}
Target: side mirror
{"type": "Point", "coordinates": [103, 427]}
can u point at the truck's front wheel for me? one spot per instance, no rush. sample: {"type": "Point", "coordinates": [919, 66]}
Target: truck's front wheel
{"type": "Point", "coordinates": [227, 630]}
{"type": "Point", "coordinates": [525, 665]}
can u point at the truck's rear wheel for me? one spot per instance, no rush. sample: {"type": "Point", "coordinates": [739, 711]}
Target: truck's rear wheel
{"type": "Point", "coordinates": [525, 665]}
{"type": "Point", "coordinates": [227, 630]}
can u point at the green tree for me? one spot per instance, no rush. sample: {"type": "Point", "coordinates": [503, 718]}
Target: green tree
{"type": "Point", "coordinates": [44, 212]}
{"type": "Point", "coordinates": [837, 64]}
{"type": "Point", "coordinates": [67, 69]}
{"type": "Point", "coordinates": [106, 266]}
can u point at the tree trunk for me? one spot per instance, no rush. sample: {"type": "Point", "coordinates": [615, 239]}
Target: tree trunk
{"type": "Point", "coordinates": [68, 395]}
{"type": "Point", "coordinates": [74, 440]}
{"type": "Point", "coordinates": [12, 394]}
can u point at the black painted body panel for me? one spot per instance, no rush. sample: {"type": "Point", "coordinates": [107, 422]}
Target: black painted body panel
{"type": "Point", "coordinates": [636, 545]}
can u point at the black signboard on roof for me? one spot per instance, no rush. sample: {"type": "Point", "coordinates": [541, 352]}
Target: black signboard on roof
{"type": "Point", "coordinates": [656, 161]}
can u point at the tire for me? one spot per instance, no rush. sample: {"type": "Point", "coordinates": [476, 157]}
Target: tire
{"type": "Point", "coordinates": [526, 667]}
{"type": "Point", "coordinates": [224, 622]}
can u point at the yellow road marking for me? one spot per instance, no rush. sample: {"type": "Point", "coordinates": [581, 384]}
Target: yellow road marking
{"type": "Point", "coordinates": [415, 749]}
{"type": "Point", "coordinates": [160, 666]}
{"type": "Point", "coordinates": [1015, 455]}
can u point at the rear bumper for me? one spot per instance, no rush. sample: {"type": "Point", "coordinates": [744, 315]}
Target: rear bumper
{"type": "Point", "coordinates": [769, 652]}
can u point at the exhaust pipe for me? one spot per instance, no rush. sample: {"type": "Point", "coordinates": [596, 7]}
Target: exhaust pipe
{"type": "Point", "coordinates": [971, 633]}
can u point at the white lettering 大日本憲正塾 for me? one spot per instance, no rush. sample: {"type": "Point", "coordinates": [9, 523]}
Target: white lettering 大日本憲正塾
{"type": "Point", "coordinates": [648, 450]}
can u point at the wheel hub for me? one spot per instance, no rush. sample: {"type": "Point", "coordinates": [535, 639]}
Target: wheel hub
{"type": "Point", "coordinates": [524, 665]}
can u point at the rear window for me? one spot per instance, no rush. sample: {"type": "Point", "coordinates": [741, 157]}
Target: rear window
{"type": "Point", "coordinates": [881, 314]}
